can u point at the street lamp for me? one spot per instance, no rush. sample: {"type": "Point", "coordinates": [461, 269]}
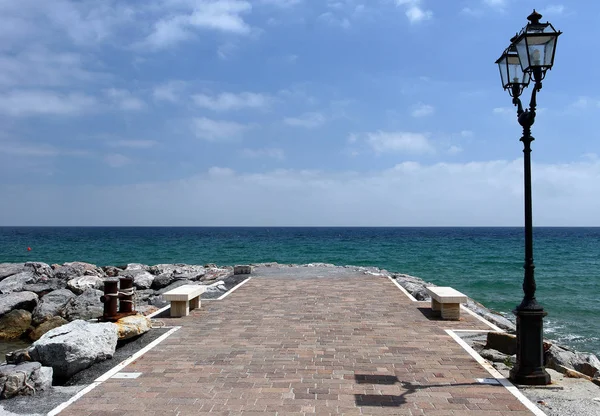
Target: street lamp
{"type": "Point", "coordinates": [529, 56]}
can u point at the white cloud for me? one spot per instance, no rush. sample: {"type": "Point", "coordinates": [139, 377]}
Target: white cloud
{"type": "Point", "coordinates": [42, 102]}
{"type": "Point", "coordinates": [169, 91]}
{"type": "Point", "coordinates": [219, 15]}
{"type": "Point", "coordinates": [217, 130]}
{"type": "Point", "coordinates": [281, 3]}
{"type": "Point", "coordinates": [466, 133]}
{"type": "Point", "coordinates": [307, 120]}
{"type": "Point", "coordinates": [226, 50]}
{"type": "Point", "coordinates": [414, 10]}
{"type": "Point", "coordinates": [500, 4]}
{"type": "Point", "coordinates": [124, 100]}
{"type": "Point", "coordinates": [422, 110]}
{"type": "Point", "coordinates": [471, 12]}
{"type": "Point", "coordinates": [585, 103]}
{"type": "Point", "coordinates": [402, 142]}
{"type": "Point", "coordinates": [42, 150]}
{"type": "Point", "coordinates": [116, 160]}
{"type": "Point", "coordinates": [228, 101]}
{"type": "Point", "coordinates": [273, 153]}
{"type": "Point", "coordinates": [133, 144]}
{"type": "Point", "coordinates": [454, 150]}
{"type": "Point", "coordinates": [486, 193]}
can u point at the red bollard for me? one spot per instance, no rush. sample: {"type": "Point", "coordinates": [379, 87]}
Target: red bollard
{"type": "Point", "coordinates": [110, 298]}
{"type": "Point", "coordinates": [126, 295]}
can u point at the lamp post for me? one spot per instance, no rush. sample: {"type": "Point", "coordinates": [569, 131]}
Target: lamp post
{"type": "Point", "coordinates": [529, 56]}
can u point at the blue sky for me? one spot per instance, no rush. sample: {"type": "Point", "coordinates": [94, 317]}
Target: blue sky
{"type": "Point", "coordinates": [289, 112]}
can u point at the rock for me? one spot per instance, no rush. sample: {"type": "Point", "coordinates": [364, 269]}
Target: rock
{"type": "Point", "coordinates": [24, 379]}
{"type": "Point", "coordinates": [146, 309]}
{"type": "Point", "coordinates": [8, 269]}
{"type": "Point", "coordinates": [497, 356]}
{"type": "Point", "coordinates": [69, 271]}
{"type": "Point", "coordinates": [46, 326]}
{"type": "Point", "coordinates": [144, 295]}
{"type": "Point", "coordinates": [45, 286]}
{"type": "Point", "coordinates": [503, 342]}
{"type": "Point", "coordinates": [85, 306]}
{"type": "Point", "coordinates": [137, 266]}
{"type": "Point", "coordinates": [177, 269]}
{"type": "Point", "coordinates": [141, 278]}
{"type": "Point", "coordinates": [51, 305]}
{"type": "Point", "coordinates": [18, 356]}
{"type": "Point", "coordinates": [111, 271]}
{"type": "Point", "coordinates": [132, 326]}
{"type": "Point", "coordinates": [41, 270]}
{"type": "Point", "coordinates": [494, 317]}
{"type": "Point", "coordinates": [585, 363]}
{"type": "Point", "coordinates": [75, 346]}
{"type": "Point", "coordinates": [16, 282]}
{"type": "Point", "coordinates": [14, 324]}
{"type": "Point", "coordinates": [78, 284]}
{"type": "Point", "coordinates": [417, 290]}
{"type": "Point", "coordinates": [214, 274]}
{"type": "Point", "coordinates": [162, 280]}
{"type": "Point", "coordinates": [18, 300]}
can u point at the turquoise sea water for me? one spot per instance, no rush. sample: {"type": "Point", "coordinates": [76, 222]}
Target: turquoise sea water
{"type": "Point", "coordinates": [484, 263]}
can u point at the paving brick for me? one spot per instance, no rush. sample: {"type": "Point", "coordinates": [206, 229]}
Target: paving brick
{"type": "Point", "coordinates": [350, 344]}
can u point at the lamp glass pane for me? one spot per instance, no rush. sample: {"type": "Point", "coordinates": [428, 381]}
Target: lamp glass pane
{"type": "Point", "coordinates": [515, 72]}
{"type": "Point", "coordinates": [523, 54]}
{"type": "Point", "coordinates": [503, 70]}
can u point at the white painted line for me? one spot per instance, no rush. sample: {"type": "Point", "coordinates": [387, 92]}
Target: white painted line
{"type": "Point", "coordinates": [234, 288]}
{"type": "Point", "coordinates": [496, 374]}
{"type": "Point", "coordinates": [491, 381]}
{"type": "Point", "coordinates": [482, 319]}
{"type": "Point", "coordinates": [472, 330]}
{"type": "Point", "coordinates": [164, 308]}
{"type": "Point", "coordinates": [403, 290]}
{"type": "Point", "coordinates": [111, 372]}
{"type": "Point", "coordinates": [126, 375]}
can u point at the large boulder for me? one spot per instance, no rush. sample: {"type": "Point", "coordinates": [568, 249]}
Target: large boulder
{"type": "Point", "coordinates": [141, 278]}
{"type": "Point", "coordinates": [190, 271]}
{"type": "Point", "coordinates": [79, 284]}
{"type": "Point", "coordinates": [132, 326]}
{"type": "Point", "coordinates": [46, 326]}
{"type": "Point", "coordinates": [417, 290]}
{"type": "Point", "coordinates": [24, 379]}
{"type": "Point", "coordinates": [85, 306]}
{"type": "Point", "coordinates": [16, 282]}
{"type": "Point", "coordinates": [8, 269]}
{"type": "Point", "coordinates": [41, 270]}
{"type": "Point", "coordinates": [111, 271]}
{"type": "Point", "coordinates": [215, 273]}
{"type": "Point", "coordinates": [173, 285]}
{"type": "Point", "coordinates": [14, 324]}
{"type": "Point", "coordinates": [18, 300]}
{"type": "Point", "coordinates": [503, 342]}
{"type": "Point", "coordinates": [51, 305]}
{"type": "Point", "coordinates": [557, 357]}
{"type": "Point", "coordinates": [44, 286]}
{"type": "Point", "coordinates": [69, 271]}
{"type": "Point", "coordinates": [75, 346]}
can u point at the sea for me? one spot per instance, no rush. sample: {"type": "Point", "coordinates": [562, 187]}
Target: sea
{"type": "Point", "coordinates": [484, 263]}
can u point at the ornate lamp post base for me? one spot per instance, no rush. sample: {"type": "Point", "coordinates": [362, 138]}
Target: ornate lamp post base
{"type": "Point", "coordinates": [529, 369]}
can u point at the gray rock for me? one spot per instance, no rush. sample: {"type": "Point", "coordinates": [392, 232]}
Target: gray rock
{"type": "Point", "coordinates": [494, 317]}
{"type": "Point", "coordinates": [18, 300]}
{"type": "Point", "coordinates": [46, 326]}
{"type": "Point", "coordinates": [503, 342]}
{"type": "Point", "coordinates": [141, 278]}
{"type": "Point", "coordinates": [137, 266]}
{"type": "Point", "coordinates": [51, 305]}
{"type": "Point", "coordinates": [585, 363]}
{"type": "Point", "coordinates": [17, 357]}
{"type": "Point", "coordinates": [16, 282]}
{"type": "Point", "coordinates": [24, 379]}
{"type": "Point", "coordinates": [497, 356]}
{"type": "Point", "coordinates": [75, 346]}
{"type": "Point", "coordinates": [213, 274]}
{"type": "Point", "coordinates": [69, 271]}
{"type": "Point", "coordinates": [78, 284]}
{"type": "Point", "coordinates": [144, 295]}
{"type": "Point", "coordinates": [111, 271]}
{"type": "Point", "coordinates": [41, 270]}
{"type": "Point", "coordinates": [14, 324]}
{"type": "Point", "coordinates": [8, 269]}
{"type": "Point", "coordinates": [85, 306]}
{"type": "Point", "coordinates": [416, 290]}
{"type": "Point", "coordinates": [44, 286]}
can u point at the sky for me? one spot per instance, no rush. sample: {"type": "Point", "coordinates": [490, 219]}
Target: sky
{"type": "Point", "coordinates": [290, 113]}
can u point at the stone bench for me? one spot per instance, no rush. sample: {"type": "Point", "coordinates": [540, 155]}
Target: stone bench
{"type": "Point", "coordinates": [184, 298]}
{"type": "Point", "coordinates": [446, 301]}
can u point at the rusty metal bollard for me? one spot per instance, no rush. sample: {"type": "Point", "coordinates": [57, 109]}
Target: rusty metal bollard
{"type": "Point", "coordinates": [126, 295]}
{"type": "Point", "coordinates": [110, 298]}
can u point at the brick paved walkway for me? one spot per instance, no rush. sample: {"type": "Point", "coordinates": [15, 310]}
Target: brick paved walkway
{"type": "Point", "coordinates": [347, 344]}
